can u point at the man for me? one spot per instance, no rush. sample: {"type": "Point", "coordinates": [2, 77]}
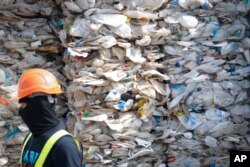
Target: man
{"type": "Point", "coordinates": [48, 144]}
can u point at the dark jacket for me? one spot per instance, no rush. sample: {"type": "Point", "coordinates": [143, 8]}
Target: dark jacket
{"type": "Point", "coordinates": [39, 115]}
{"type": "Point", "coordinates": [64, 153]}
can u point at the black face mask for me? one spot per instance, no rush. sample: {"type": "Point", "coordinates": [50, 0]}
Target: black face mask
{"type": "Point", "coordinates": [38, 113]}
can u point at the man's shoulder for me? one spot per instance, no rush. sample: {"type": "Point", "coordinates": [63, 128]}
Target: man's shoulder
{"type": "Point", "coordinates": [67, 139]}
{"type": "Point", "coordinates": [65, 142]}
{"type": "Point", "coordinates": [65, 151]}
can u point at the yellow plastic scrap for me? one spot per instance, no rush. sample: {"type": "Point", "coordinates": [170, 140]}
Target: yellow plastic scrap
{"type": "Point", "coordinates": [91, 151]}
{"type": "Point", "coordinates": [140, 103]}
{"type": "Point", "coordinates": [101, 56]}
{"type": "Point", "coordinates": [178, 113]}
{"type": "Point", "coordinates": [144, 114]}
{"type": "Point", "coordinates": [128, 20]}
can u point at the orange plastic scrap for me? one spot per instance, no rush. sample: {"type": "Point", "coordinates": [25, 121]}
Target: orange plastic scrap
{"type": "Point", "coordinates": [4, 101]}
{"type": "Point", "coordinates": [171, 159]}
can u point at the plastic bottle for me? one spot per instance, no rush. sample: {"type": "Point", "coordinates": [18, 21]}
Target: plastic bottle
{"type": "Point", "coordinates": [193, 56]}
{"type": "Point", "coordinates": [177, 89]}
{"type": "Point", "coordinates": [226, 49]}
{"type": "Point", "coordinates": [15, 45]}
{"type": "Point", "coordinates": [192, 122]}
{"type": "Point", "coordinates": [12, 133]}
{"type": "Point", "coordinates": [244, 71]}
{"type": "Point", "coordinates": [216, 114]}
{"type": "Point", "coordinates": [211, 142]}
{"type": "Point", "coordinates": [243, 110]}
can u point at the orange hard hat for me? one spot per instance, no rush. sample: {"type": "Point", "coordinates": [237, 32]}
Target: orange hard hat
{"type": "Point", "coordinates": [37, 81]}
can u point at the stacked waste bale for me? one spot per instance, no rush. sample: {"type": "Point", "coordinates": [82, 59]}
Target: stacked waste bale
{"type": "Point", "coordinates": [147, 82]}
{"type": "Point", "coordinates": [26, 41]}
{"type": "Point", "coordinates": [158, 81]}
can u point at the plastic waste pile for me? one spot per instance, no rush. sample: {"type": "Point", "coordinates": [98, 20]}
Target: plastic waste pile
{"type": "Point", "coordinates": [147, 83]}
